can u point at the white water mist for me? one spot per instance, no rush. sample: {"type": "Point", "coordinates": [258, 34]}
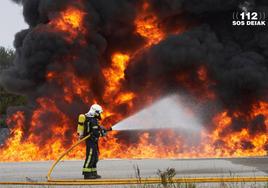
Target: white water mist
{"type": "Point", "coordinates": [165, 113]}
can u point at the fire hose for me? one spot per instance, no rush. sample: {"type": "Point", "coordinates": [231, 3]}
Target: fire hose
{"type": "Point", "coordinates": [66, 152]}
{"type": "Point", "coordinates": [62, 155]}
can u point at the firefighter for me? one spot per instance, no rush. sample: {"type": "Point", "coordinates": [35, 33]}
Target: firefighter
{"type": "Point", "coordinates": [89, 124]}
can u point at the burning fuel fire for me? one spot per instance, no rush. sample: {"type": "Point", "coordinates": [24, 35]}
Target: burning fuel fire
{"type": "Point", "coordinates": [92, 60]}
{"type": "Point", "coordinates": [147, 25]}
{"type": "Point", "coordinates": [69, 21]}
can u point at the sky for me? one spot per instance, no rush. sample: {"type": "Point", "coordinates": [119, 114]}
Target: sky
{"type": "Point", "coordinates": [11, 21]}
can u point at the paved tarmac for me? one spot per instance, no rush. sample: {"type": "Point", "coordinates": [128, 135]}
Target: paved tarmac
{"type": "Point", "coordinates": [37, 171]}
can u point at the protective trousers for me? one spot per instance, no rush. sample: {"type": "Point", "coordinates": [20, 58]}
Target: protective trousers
{"type": "Point", "coordinates": [92, 157]}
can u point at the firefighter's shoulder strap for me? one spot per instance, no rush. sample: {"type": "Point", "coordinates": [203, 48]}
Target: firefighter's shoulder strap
{"type": "Point", "coordinates": [80, 126]}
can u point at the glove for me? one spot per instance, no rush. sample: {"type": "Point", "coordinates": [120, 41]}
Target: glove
{"type": "Point", "coordinates": [103, 132]}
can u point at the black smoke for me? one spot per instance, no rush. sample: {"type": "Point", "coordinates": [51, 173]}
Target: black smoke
{"type": "Point", "coordinates": [235, 57]}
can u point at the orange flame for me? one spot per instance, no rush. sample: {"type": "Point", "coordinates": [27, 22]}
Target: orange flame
{"type": "Point", "coordinates": [147, 25]}
{"type": "Point", "coordinates": [115, 74]}
{"type": "Point", "coordinates": [71, 22]}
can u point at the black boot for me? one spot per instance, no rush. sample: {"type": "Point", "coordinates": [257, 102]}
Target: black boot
{"type": "Point", "coordinates": [89, 175]}
{"type": "Point", "coordinates": [96, 175]}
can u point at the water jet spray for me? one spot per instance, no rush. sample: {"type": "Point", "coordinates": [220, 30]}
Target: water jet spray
{"type": "Point", "coordinates": [166, 113]}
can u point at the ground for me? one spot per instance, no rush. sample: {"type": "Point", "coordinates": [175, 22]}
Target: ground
{"type": "Point", "coordinates": [37, 171]}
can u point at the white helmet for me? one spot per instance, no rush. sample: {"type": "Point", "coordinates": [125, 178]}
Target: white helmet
{"type": "Point", "coordinates": [95, 110]}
